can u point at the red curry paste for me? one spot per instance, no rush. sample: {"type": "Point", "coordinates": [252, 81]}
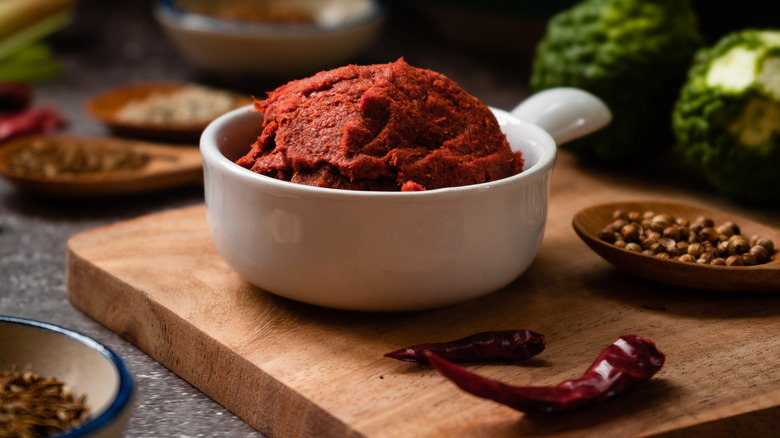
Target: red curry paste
{"type": "Point", "coordinates": [381, 127]}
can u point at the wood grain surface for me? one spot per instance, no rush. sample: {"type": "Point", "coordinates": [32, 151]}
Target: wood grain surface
{"type": "Point", "coordinates": [294, 370]}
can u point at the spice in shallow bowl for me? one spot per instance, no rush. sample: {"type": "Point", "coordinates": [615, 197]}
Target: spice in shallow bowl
{"type": "Point", "coordinates": [162, 111]}
{"type": "Point", "coordinates": [56, 381]}
{"type": "Point", "coordinates": [683, 245]}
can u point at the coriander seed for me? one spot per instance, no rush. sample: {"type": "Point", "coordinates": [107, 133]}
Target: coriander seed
{"type": "Point", "coordinates": [760, 252]}
{"type": "Point", "coordinates": [709, 234]}
{"type": "Point", "coordinates": [687, 258]}
{"type": "Point", "coordinates": [630, 233]}
{"type": "Point", "coordinates": [631, 246]}
{"type": "Point", "coordinates": [701, 241]}
{"type": "Point", "coordinates": [734, 260]}
{"type": "Point", "coordinates": [749, 259]}
{"type": "Point", "coordinates": [763, 241]}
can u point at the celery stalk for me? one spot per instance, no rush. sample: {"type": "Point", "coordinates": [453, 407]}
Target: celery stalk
{"type": "Point", "coordinates": [30, 71]}
{"type": "Point", "coordinates": [18, 14]}
{"type": "Point", "coordinates": [23, 23]}
{"type": "Point", "coordinates": [34, 32]}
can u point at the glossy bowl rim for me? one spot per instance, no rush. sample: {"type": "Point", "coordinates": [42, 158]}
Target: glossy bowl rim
{"type": "Point", "coordinates": [167, 12]}
{"type": "Point", "coordinates": [123, 399]}
{"type": "Point", "coordinates": [212, 155]}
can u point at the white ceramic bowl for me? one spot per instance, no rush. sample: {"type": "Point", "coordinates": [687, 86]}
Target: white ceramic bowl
{"type": "Point", "coordinates": [387, 251]}
{"type": "Point", "coordinates": [85, 365]}
{"type": "Point", "coordinates": [343, 29]}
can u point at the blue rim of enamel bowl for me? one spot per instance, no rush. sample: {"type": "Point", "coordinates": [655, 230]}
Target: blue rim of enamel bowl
{"type": "Point", "coordinates": [124, 394]}
{"type": "Point", "coordinates": [167, 9]}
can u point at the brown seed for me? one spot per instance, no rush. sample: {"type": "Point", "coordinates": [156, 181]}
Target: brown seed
{"type": "Point", "coordinates": [667, 243]}
{"type": "Point", "coordinates": [607, 235]}
{"type": "Point", "coordinates": [734, 227]}
{"type": "Point", "coordinates": [761, 253]}
{"type": "Point", "coordinates": [651, 238]}
{"type": "Point", "coordinates": [737, 246]}
{"type": "Point", "coordinates": [696, 249]}
{"type": "Point", "coordinates": [719, 261]}
{"type": "Point", "coordinates": [620, 214]}
{"type": "Point", "coordinates": [663, 255]}
{"type": "Point", "coordinates": [735, 260]}
{"type": "Point", "coordinates": [634, 216]}
{"type": "Point", "coordinates": [630, 233]}
{"type": "Point", "coordinates": [672, 232]}
{"type": "Point", "coordinates": [709, 234]}
{"type": "Point", "coordinates": [687, 258]}
{"type": "Point", "coordinates": [723, 248]}
{"type": "Point", "coordinates": [705, 222]}
{"type": "Point", "coordinates": [682, 246]}
{"type": "Point", "coordinates": [618, 224]}
{"type": "Point", "coordinates": [706, 257]}
{"type": "Point", "coordinates": [725, 230]}
{"type": "Point", "coordinates": [649, 215]}
{"type": "Point", "coordinates": [661, 222]}
{"type": "Point", "coordinates": [763, 241]}
{"type": "Point", "coordinates": [633, 247]}
{"type": "Point", "coordinates": [620, 243]}
{"type": "Point", "coordinates": [749, 259]}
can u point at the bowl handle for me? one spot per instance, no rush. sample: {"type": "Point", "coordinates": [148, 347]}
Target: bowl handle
{"type": "Point", "coordinates": [565, 113]}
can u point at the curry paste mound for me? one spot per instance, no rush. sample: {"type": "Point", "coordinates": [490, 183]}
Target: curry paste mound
{"type": "Point", "coordinates": [385, 127]}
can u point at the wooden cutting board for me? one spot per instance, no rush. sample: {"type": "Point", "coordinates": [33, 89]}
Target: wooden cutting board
{"type": "Point", "coordinates": [294, 370]}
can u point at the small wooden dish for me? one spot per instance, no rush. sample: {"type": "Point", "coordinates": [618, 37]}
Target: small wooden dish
{"type": "Point", "coordinates": [167, 166]}
{"type": "Point", "coordinates": [758, 278]}
{"type": "Point", "coordinates": [105, 108]}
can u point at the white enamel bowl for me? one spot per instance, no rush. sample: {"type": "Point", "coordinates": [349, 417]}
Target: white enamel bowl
{"type": "Point", "coordinates": [387, 251]}
{"type": "Point", "coordinates": [85, 365]}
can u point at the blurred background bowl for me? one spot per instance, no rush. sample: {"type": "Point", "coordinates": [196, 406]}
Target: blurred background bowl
{"type": "Point", "coordinates": [86, 366]}
{"type": "Point", "coordinates": [272, 37]}
{"type": "Point", "coordinates": [508, 27]}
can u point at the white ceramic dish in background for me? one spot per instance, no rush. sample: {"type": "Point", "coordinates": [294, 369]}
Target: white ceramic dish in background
{"type": "Point", "coordinates": [388, 251]}
{"type": "Point", "coordinates": [343, 28]}
{"type": "Point", "coordinates": [85, 365]}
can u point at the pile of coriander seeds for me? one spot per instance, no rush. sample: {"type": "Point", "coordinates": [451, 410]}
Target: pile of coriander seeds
{"type": "Point", "coordinates": [701, 241]}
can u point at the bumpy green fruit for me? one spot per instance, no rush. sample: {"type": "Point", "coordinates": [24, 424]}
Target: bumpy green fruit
{"type": "Point", "coordinates": [634, 55]}
{"type": "Point", "coordinates": [727, 119]}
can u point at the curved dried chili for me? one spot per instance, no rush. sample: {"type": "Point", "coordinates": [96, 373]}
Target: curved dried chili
{"type": "Point", "coordinates": [485, 346]}
{"type": "Point", "coordinates": [627, 362]}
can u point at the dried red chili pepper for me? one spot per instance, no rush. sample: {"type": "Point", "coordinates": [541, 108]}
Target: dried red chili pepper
{"type": "Point", "coordinates": [31, 121]}
{"type": "Point", "coordinates": [492, 345]}
{"type": "Point", "coordinates": [627, 362]}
